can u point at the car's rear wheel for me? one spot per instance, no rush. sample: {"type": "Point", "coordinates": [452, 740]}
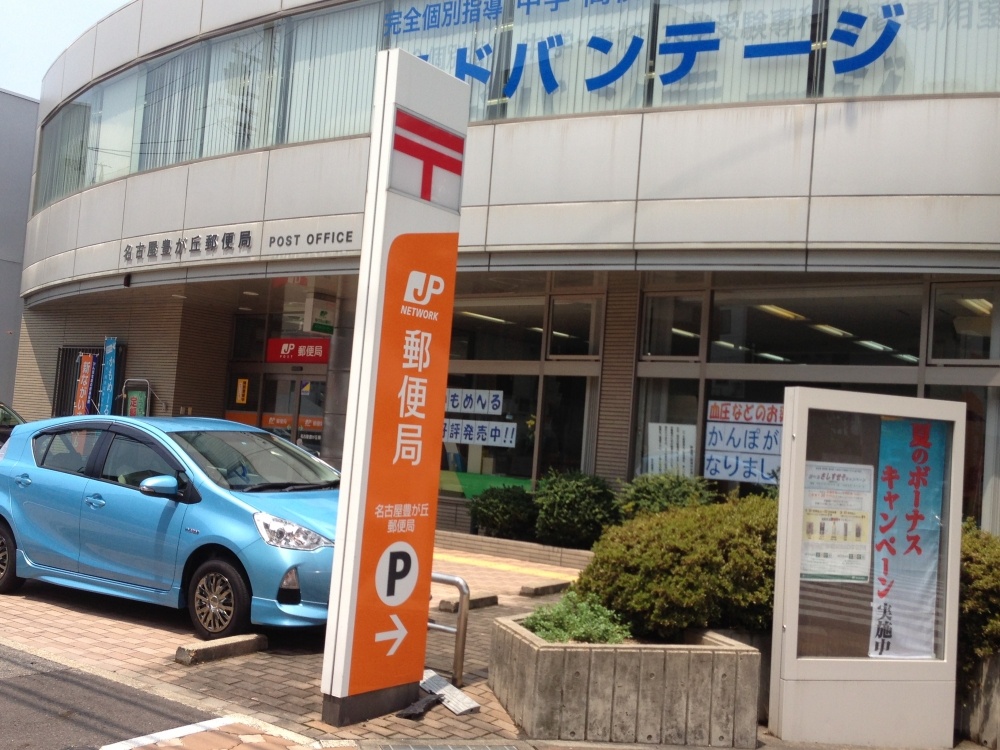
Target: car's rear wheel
{"type": "Point", "coordinates": [8, 561]}
{"type": "Point", "coordinates": [218, 600]}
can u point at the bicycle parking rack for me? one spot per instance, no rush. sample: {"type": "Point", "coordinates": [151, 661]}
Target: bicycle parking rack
{"type": "Point", "coordinates": [461, 626]}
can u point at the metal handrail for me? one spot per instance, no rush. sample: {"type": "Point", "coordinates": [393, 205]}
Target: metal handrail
{"type": "Point", "coordinates": [459, 630]}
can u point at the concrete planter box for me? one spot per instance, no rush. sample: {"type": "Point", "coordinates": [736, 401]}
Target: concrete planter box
{"type": "Point", "coordinates": [704, 693]}
{"type": "Point", "coordinates": [979, 718]}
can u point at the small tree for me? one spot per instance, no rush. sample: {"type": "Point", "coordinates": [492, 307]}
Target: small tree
{"type": "Point", "coordinates": [576, 617]}
{"type": "Point", "coordinates": [506, 511]}
{"type": "Point", "coordinates": [573, 509]}
{"type": "Point", "coordinates": [653, 493]}
{"type": "Point", "coordinates": [979, 601]}
{"type": "Point", "coordinates": [689, 567]}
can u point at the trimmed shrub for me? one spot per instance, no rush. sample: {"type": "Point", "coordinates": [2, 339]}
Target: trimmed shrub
{"type": "Point", "coordinates": [506, 511]}
{"type": "Point", "coordinates": [576, 617]}
{"type": "Point", "coordinates": [573, 509]}
{"type": "Point", "coordinates": [690, 567]}
{"type": "Point", "coordinates": [979, 602]}
{"type": "Point", "coordinates": [653, 493]}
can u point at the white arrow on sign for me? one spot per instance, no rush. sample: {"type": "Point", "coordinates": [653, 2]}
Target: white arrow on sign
{"type": "Point", "coordinates": [398, 634]}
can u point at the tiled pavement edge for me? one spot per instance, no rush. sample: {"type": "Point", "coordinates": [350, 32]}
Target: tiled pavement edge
{"type": "Point", "coordinates": [279, 688]}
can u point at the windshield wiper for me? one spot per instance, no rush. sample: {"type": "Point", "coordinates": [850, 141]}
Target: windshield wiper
{"type": "Point", "coordinates": [288, 486]}
{"type": "Point", "coordinates": [313, 486]}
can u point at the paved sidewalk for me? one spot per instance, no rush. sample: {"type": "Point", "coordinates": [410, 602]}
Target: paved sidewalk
{"type": "Point", "coordinates": [272, 699]}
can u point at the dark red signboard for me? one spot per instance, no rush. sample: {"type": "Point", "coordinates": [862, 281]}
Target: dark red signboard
{"type": "Point", "coordinates": [299, 351]}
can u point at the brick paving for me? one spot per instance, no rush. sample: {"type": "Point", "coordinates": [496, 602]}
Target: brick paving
{"type": "Point", "coordinates": [275, 693]}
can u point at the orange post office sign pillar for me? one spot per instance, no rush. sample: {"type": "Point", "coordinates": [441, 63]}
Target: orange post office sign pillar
{"type": "Point", "coordinates": [377, 631]}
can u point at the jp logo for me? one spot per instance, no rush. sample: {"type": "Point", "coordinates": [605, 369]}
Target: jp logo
{"type": "Point", "coordinates": [420, 288]}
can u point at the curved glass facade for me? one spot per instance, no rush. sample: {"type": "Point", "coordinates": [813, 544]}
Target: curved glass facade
{"type": "Point", "coordinates": [309, 77]}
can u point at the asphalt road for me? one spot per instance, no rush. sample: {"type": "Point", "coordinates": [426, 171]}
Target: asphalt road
{"type": "Point", "coordinates": [46, 706]}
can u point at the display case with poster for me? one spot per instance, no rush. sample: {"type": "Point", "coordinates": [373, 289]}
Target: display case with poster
{"type": "Point", "coordinates": [866, 589]}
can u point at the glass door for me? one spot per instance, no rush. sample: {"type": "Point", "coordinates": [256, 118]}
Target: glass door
{"type": "Point", "coordinates": [293, 409]}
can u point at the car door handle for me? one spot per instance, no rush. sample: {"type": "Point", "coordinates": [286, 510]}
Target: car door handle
{"type": "Point", "coordinates": [22, 480]}
{"type": "Point", "coordinates": [94, 501]}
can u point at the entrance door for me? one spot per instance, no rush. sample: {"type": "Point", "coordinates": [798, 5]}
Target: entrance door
{"type": "Point", "coordinates": [293, 409]}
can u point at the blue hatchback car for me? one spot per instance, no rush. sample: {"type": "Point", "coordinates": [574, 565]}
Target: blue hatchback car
{"type": "Point", "coordinates": [229, 521]}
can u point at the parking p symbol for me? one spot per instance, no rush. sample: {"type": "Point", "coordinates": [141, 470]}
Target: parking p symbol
{"type": "Point", "coordinates": [396, 573]}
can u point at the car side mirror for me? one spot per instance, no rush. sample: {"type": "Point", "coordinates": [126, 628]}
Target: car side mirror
{"type": "Point", "coordinates": [161, 486]}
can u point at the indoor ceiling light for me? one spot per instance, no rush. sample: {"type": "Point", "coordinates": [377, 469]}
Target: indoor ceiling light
{"type": "Point", "coordinates": [686, 334]}
{"type": "Point", "coordinates": [980, 306]}
{"type": "Point", "coordinates": [178, 296]}
{"type": "Point", "coordinates": [244, 309]}
{"type": "Point", "coordinates": [248, 293]}
{"type": "Point", "coordinates": [490, 318]}
{"type": "Point", "coordinates": [780, 312]}
{"type": "Point", "coordinates": [874, 345]}
{"type": "Point", "coordinates": [774, 357]}
{"type": "Point", "coordinates": [832, 331]}
{"type": "Point", "coordinates": [906, 358]}
{"type": "Point", "coordinates": [725, 344]}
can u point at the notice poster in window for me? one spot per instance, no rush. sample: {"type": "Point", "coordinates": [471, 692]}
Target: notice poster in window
{"type": "Point", "coordinates": [837, 522]}
{"type": "Point", "coordinates": [671, 449]}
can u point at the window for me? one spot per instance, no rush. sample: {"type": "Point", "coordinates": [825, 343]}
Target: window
{"type": "Point", "coordinates": [129, 462]}
{"type": "Point", "coordinates": [66, 451]}
{"type": "Point", "coordinates": [964, 323]}
{"type": "Point", "coordinates": [671, 326]}
{"type": "Point", "coordinates": [858, 325]}
{"type": "Point", "coordinates": [575, 329]}
{"type": "Point", "coordinates": [497, 329]}
{"type": "Point", "coordinates": [666, 427]}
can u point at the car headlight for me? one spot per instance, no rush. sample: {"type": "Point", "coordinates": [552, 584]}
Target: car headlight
{"type": "Point", "coordinates": [281, 533]}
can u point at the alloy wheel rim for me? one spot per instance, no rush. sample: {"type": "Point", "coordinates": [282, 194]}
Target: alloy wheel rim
{"type": "Point", "coordinates": [214, 602]}
{"type": "Point", "coordinates": [4, 557]}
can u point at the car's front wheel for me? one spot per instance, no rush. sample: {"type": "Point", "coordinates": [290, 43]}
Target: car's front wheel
{"type": "Point", "coordinates": [218, 600]}
{"type": "Point", "coordinates": [8, 561]}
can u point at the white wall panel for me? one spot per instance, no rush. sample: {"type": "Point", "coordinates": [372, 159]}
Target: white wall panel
{"type": "Point", "coordinates": [79, 63]}
{"type": "Point", "coordinates": [218, 14]}
{"type": "Point", "coordinates": [33, 239]}
{"type": "Point", "coordinates": [318, 179]}
{"type": "Point", "coordinates": [478, 166]}
{"type": "Point", "coordinates": [472, 227]}
{"type": "Point", "coordinates": [101, 212]}
{"type": "Point", "coordinates": [556, 161]}
{"type": "Point", "coordinates": [777, 221]}
{"type": "Point", "coordinates": [97, 259]}
{"type": "Point", "coordinates": [226, 191]}
{"type": "Point", "coordinates": [48, 271]}
{"type": "Point", "coordinates": [601, 224]}
{"type": "Point", "coordinates": [289, 4]}
{"type": "Point", "coordinates": [154, 202]}
{"type": "Point", "coordinates": [908, 147]}
{"type": "Point", "coordinates": [734, 152]}
{"type": "Point", "coordinates": [166, 22]}
{"type": "Point", "coordinates": [117, 39]}
{"type": "Point", "coordinates": [906, 220]}
{"type": "Point", "coordinates": [51, 93]}
{"type": "Point", "coordinates": [64, 219]}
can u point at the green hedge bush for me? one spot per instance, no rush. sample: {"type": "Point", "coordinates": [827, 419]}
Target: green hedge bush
{"type": "Point", "coordinates": [653, 493]}
{"type": "Point", "coordinates": [690, 567]}
{"type": "Point", "coordinates": [573, 509]}
{"type": "Point", "coordinates": [576, 617]}
{"type": "Point", "coordinates": [979, 602]}
{"type": "Point", "coordinates": [508, 512]}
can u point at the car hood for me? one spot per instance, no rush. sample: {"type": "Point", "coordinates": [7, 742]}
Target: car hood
{"type": "Point", "coordinates": [314, 509]}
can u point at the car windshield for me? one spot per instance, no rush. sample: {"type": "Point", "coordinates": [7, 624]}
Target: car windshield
{"type": "Point", "coordinates": [255, 461]}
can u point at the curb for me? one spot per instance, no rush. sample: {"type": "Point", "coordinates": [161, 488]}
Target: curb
{"type": "Point", "coordinates": [204, 651]}
{"type": "Point", "coordinates": [475, 602]}
{"type": "Point", "coordinates": [545, 590]}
